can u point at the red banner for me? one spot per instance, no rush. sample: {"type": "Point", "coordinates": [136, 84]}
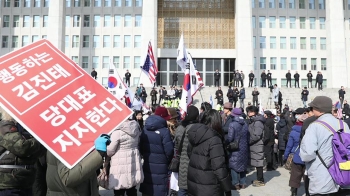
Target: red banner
{"type": "Point", "coordinates": [57, 101]}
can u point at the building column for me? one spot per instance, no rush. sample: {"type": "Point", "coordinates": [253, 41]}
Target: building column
{"type": "Point", "coordinates": [57, 27]}
{"type": "Point", "coordinates": [336, 47]}
{"type": "Point", "coordinates": [244, 37]}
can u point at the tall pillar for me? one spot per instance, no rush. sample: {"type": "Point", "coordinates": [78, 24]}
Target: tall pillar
{"type": "Point", "coordinates": [244, 36]}
{"type": "Point", "coordinates": [57, 27]}
{"type": "Point", "coordinates": [336, 73]}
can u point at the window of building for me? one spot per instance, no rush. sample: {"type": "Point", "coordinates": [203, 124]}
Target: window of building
{"type": "Point", "coordinates": [118, 3]}
{"type": "Point", "coordinates": [321, 4]}
{"type": "Point", "coordinates": [46, 3]}
{"type": "Point", "coordinates": [108, 3]}
{"type": "Point", "coordinates": [254, 22]}
{"type": "Point", "coordinates": [6, 21]}
{"type": "Point", "coordinates": [302, 22]}
{"type": "Point", "coordinates": [138, 19]}
{"type": "Point", "coordinates": [293, 43]}
{"type": "Point", "coordinates": [15, 41]}
{"type": "Point", "coordinates": [36, 21]}
{"type": "Point", "coordinates": [254, 42]}
{"type": "Point", "coordinates": [37, 3]}
{"type": "Point", "coordinates": [126, 62]}
{"type": "Point", "coordinates": [311, 4]}
{"type": "Point", "coordinates": [255, 64]}
{"type": "Point", "coordinates": [262, 42]}
{"type": "Point", "coordinates": [97, 3]}
{"type": "Point", "coordinates": [107, 21]}
{"type": "Point", "coordinates": [313, 64]}
{"type": "Point", "coordinates": [95, 62]}
{"type": "Point", "coordinates": [45, 20]}
{"type": "Point", "coordinates": [16, 3]}
{"type": "Point", "coordinates": [116, 41]}
{"type": "Point", "coordinates": [86, 41]}
{"type": "Point", "coordinates": [283, 63]}
{"type": "Point", "coordinates": [86, 20]}
{"type": "Point", "coordinates": [75, 59]}
{"type": "Point", "coordinates": [26, 3]}
{"type": "Point", "coordinates": [138, 3]}
{"type": "Point", "coordinates": [87, 3]}
{"type": "Point", "coordinates": [137, 62]}
{"type": "Point", "coordinates": [322, 23]}
{"type": "Point", "coordinates": [137, 41]}
{"type": "Point", "coordinates": [272, 22]}
{"type": "Point", "coordinates": [5, 41]}
{"type": "Point", "coordinates": [116, 61]}
{"type": "Point", "coordinates": [272, 4]}
{"type": "Point", "coordinates": [44, 36]}
{"type": "Point", "coordinates": [105, 62]}
{"type": "Point", "coordinates": [16, 21]}
{"type": "Point", "coordinates": [128, 3]}
{"type": "Point", "coordinates": [302, 4]}
{"type": "Point", "coordinates": [67, 21]}
{"type": "Point", "coordinates": [76, 3]}
{"type": "Point", "coordinates": [253, 3]}
{"type": "Point", "coordinates": [293, 63]}
{"type": "Point", "coordinates": [303, 43]}
{"type": "Point", "coordinates": [273, 61]}
{"type": "Point", "coordinates": [261, 3]}
{"type": "Point", "coordinates": [85, 62]}
{"type": "Point", "coordinates": [106, 41]}
{"type": "Point", "coordinates": [66, 41]}
{"type": "Point", "coordinates": [26, 21]}
{"type": "Point", "coordinates": [281, 4]}
{"type": "Point", "coordinates": [292, 22]}
{"type": "Point", "coordinates": [75, 41]}
{"type": "Point", "coordinates": [117, 20]}
{"type": "Point", "coordinates": [313, 43]}
{"type": "Point", "coordinates": [282, 22]}
{"type": "Point", "coordinates": [76, 21]}
{"type": "Point", "coordinates": [96, 43]}
{"type": "Point", "coordinates": [263, 63]}
{"type": "Point", "coordinates": [7, 3]}
{"type": "Point", "coordinates": [312, 22]}
{"type": "Point", "coordinates": [261, 21]}
{"type": "Point", "coordinates": [323, 64]}
{"type": "Point", "coordinates": [127, 41]}
{"type": "Point", "coordinates": [127, 20]}
{"type": "Point", "coordinates": [303, 64]}
{"type": "Point", "coordinates": [105, 81]}
{"type": "Point", "coordinates": [323, 44]}
{"type": "Point", "coordinates": [273, 42]}
{"type": "Point", "coordinates": [68, 3]}
{"type": "Point", "coordinates": [97, 20]}
{"type": "Point", "coordinates": [35, 38]}
{"type": "Point", "coordinates": [291, 4]}
{"type": "Point", "coordinates": [283, 43]}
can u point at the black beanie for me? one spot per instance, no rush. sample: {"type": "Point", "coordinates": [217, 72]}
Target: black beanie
{"type": "Point", "coordinates": [192, 113]}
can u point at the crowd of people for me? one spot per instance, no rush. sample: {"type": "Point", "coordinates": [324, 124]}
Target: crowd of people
{"type": "Point", "coordinates": [211, 152]}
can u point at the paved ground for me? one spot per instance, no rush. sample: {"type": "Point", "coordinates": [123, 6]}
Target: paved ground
{"type": "Point", "coordinates": [276, 185]}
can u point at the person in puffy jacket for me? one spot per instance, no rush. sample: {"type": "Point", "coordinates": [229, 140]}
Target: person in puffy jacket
{"type": "Point", "coordinates": [238, 160]}
{"type": "Point", "coordinates": [157, 150]}
{"type": "Point", "coordinates": [298, 168]}
{"type": "Point", "coordinates": [125, 165]}
{"type": "Point", "coordinates": [282, 129]}
{"type": "Point", "coordinates": [208, 174]}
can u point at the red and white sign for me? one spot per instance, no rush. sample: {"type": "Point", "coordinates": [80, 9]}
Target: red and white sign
{"type": "Point", "coordinates": [57, 101]}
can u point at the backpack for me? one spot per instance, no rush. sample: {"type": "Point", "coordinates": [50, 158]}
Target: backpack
{"type": "Point", "coordinates": [268, 135]}
{"type": "Point", "coordinates": [339, 168]}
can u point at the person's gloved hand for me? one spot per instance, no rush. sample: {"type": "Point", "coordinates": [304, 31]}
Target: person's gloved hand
{"type": "Point", "coordinates": [102, 142]}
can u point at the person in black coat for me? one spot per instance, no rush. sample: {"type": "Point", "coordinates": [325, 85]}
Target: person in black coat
{"type": "Point", "coordinates": [217, 78]}
{"type": "Point", "coordinates": [289, 79]}
{"type": "Point", "coordinates": [304, 95]}
{"type": "Point", "coordinates": [346, 109]}
{"type": "Point", "coordinates": [251, 79]}
{"type": "Point", "coordinates": [208, 172]}
{"type": "Point", "coordinates": [268, 144]}
{"type": "Point", "coordinates": [235, 96]}
{"type": "Point", "coordinates": [269, 78]}
{"type": "Point", "coordinates": [94, 73]}
{"type": "Point", "coordinates": [219, 91]}
{"type": "Point", "coordinates": [319, 80]}
{"type": "Point", "coordinates": [296, 79]}
{"type": "Point", "coordinates": [263, 79]}
{"type": "Point", "coordinates": [127, 78]}
{"type": "Point", "coordinates": [143, 95]}
{"type": "Point", "coordinates": [282, 129]}
{"type": "Point", "coordinates": [309, 79]}
{"type": "Point", "coordinates": [175, 79]}
{"type": "Point", "coordinates": [341, 93]}
{"type": "Point", "coordinates": [230, 94]}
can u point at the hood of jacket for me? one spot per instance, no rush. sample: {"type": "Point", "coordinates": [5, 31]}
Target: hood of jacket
{"type": "Point", "coordinates": [199, 133]}
{"type": "Point", "coordinates": [282, 122]}
{"type": "Point", "coordinates": [239, 120]}
{"type": "Point", "coordinates": [154, 123]}
{"type": "Point", "coordinates": [260, 118]}
{"type": "Point", "coordinates": [130, 127]}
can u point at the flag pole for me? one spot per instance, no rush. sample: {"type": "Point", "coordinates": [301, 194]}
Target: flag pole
{"type": "Point", "coordinates": [201, 86]}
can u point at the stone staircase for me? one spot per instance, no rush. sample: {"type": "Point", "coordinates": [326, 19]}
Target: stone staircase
{"type": "Point", "coordinates": [291, 96]}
